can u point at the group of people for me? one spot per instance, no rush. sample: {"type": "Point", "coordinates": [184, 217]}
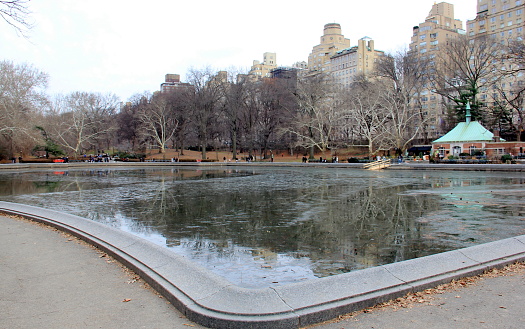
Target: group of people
{"type": "Point", "coordinates": [97, 158]}
{"type": "Point", "coordinates": [249, 158]}
{"type": "Point", "coordinates": [335, 159]}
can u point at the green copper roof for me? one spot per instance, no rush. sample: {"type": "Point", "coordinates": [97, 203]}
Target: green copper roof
{"type": "Point", "coordinates": [471, 131]}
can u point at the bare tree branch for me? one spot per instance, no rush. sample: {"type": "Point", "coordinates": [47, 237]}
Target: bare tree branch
{"type": "Point", "coordinates": [16, 14]}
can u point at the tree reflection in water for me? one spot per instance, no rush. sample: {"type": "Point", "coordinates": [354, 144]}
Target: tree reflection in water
{"type": "Point", "coordinates": [285, 225]}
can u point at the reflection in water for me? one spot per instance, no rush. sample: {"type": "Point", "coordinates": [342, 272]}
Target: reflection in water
{"type": "Point", "coordinates": [264, 227]}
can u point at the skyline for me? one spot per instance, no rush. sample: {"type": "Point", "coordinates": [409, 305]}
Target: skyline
{"type": "Point", "coordinates": [123, 48]}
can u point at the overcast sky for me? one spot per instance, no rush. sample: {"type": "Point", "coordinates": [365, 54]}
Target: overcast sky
{"type": "Point", "coordinates": [126, 47]}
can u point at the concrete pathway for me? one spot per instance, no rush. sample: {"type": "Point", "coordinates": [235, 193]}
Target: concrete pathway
{"type": "Point", "coordinates": [49, 280]}
{"type": "Point", "coordinates": [496, 301]}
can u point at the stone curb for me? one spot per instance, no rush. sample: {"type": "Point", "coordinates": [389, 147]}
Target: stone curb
{"type": "Point", "coordinates": [212, 301]}
{"type": "Point", "coordinates": [131, 165]}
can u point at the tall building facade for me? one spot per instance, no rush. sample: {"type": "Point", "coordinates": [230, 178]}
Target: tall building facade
{"type": "Point", "coordinates": [262, 70]}
{"type": "Point", "coordinates": [332, 41]}
{"type": "Point", "coordinates": [172, 83]}
{"type": "Point", "coordinates": [348, 63]}
{"type": "Point", "coordinates": [501, 19]}
{"type": "Point", "coordinates": [428, 39]}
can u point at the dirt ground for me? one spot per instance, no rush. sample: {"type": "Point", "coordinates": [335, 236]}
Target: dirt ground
{"type": "Point", "coordinates": [279, 156]}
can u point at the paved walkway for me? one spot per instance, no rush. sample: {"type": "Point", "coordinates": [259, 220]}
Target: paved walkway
{"type": "Point", "coordinates": [51, 281]}
{"type": "Point", "coordinates": [495, 302]}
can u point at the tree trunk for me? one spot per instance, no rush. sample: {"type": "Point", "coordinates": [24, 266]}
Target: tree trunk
{"type": "Point", "coordinates": [203, 146]}
{"type": "Point", "coordinates": [234, 145]}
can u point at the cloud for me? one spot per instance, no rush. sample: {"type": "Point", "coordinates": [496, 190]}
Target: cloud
{"type": "Point", "coordinates": [127, 47]}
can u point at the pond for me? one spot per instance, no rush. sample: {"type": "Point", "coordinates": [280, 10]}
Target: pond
{"type": "Point", "coordinates": [271, 226]}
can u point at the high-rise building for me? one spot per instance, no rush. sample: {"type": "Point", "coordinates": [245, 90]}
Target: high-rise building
{"type": "Point", "coordinates": [501, 19]}
{"type": "Point", "coordinates": [428, 40]}
{"type": "Point", "coordinates": [171, 83]}
{"type": "Point", "coordinates": [332, 41]}
{"type": "Point", "coordinates": [262, 70]}
{"type": "Point", "coordinates": [346, 64]}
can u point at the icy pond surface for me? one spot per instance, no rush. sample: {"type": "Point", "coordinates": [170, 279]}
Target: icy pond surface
{"type": "Point", "coordinates": [271, 226]}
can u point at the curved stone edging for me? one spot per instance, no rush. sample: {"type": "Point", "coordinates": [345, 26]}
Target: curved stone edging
{"type": "Point", "coordinates": [212, 301]}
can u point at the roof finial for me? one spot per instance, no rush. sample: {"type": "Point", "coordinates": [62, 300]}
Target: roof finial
{"type": "Point", "coordinates": [468, 116]}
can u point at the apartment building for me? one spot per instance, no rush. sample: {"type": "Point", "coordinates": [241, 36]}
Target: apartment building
{"type": "Point", "coordinates": [262, 70]}
{"type": "Point", "coordinates": [171, 83]}
{"type": "Point", "coordinates": [332, 41]}
{"type": "Point", "coordinates": [501, 19]}
{"type": "Point", "coordinates": [428, 39]}
{"type": "Point", "coordinates": [348, 63]}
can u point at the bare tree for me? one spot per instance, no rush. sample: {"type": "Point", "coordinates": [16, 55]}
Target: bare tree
{"type": "Point", "coordinates": [507, 96]}
{"type": "Point", "coordinates": [508, 93]}
{"type": "Point", "coordinates": [16, 14]}
{"type": "Point", "coordinates": [22, 98]}
{"type": "Point", "coordinates": [274, 97]}
{"type": "Point", "coordinates": [515, 55]}
{"type": "Point", "coordinates": [82, 119]}
{"type": "Point", "coordinates": [317, 112]}
{"type": "Point", "coordinates": [234, 92]}
{"type": "Point", "coordinates": [401, 76]}
{"type": "Point", "coordinates": [159, 122]}
{"type": "Point", "coordinates": [128, 123]}
{"type": "Point", "coordinates": [365, 112]}
{"type": "Point", "coordinates": [463, 68]}
{"type": "Point", "coordinates": [202, 102]}
{"type": "Point", "coordinates": [249, 117]}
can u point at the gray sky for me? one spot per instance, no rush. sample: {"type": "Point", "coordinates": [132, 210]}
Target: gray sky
{"type": "Point", "coordinates": [126, 47]}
